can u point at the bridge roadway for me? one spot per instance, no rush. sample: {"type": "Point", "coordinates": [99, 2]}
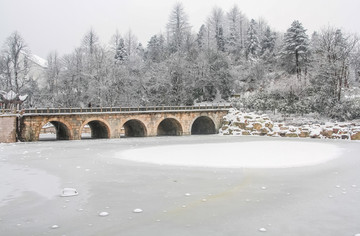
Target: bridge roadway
{"type": "Point", "coordinates": [113, 122]}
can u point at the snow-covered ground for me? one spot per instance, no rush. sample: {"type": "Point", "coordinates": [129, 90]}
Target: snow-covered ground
{"type": "Point", "coordinates": [168, 191]}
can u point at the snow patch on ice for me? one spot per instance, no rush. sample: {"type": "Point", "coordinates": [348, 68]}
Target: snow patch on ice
{"type": "Point", "coordinates": [259, 154]}
{"type": "Point", "coordinates": [138, 210]}
{"type": "Point", "coordinates": [104, 213]}
{"type": "Point", "coordinates": [16, 179]}
{"type": "Point", "coordinates": [262, 230]}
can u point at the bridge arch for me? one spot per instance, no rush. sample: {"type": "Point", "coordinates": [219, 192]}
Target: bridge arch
{"type": "Point", "coordinates": [134, 128]}
{"type": "Point", "coordinates": [100, 129]}
{"type": "Point", "coordinates": [203, 125]}
{"type": "Point", "coordinates": [169, 127]}
{"type": "Point", "coordinates": [63, 129]}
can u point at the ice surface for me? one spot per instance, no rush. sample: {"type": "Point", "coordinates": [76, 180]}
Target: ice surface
{"type": "Point", "coordinates": [262, 154]}
{"type": "Point", "coordinates": [16, 179]}
{"type": "Point", "coordinates": [222, 201]}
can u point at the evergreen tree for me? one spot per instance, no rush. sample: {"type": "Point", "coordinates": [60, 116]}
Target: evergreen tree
{"type": "Point", "coordinates": [201, 37]}
{"type": "Point", "coordinates": [233, 44]}
{"type": "Point", "coordinates": [295, 48]}
{"type": "Point", "coordinates": [121, 54]}
{"type": "Point", "coordinates": [220, 41]}
{"type": "Point", "coordinates": [252, 43]}
{"type": "Point", "coordinates": [156, 49]}
{"type": "Point", "coordinates": [268, 42]}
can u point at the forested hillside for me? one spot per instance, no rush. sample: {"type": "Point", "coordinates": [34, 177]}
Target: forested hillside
{"type": "Point", "coordinates": [290, 72]}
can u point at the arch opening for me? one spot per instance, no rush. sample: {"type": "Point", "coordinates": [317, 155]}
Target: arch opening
{"type": "Point", "coordinates": [54, 130]}
{"type": "Point", "coordinates": [203, 125]}
{"type": "Point", "coordinates": [134, 128]}
{"type": "Point", "coordinates": [169, 127]}
{"type": "Point", "coordinates": [95, 130]}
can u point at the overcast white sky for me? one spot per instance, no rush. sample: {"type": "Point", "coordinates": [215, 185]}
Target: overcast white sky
{"type": "Point", "coordinates": [48, 25]}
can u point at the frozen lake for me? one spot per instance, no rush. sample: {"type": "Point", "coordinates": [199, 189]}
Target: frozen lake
{"type": "Point", "coordinates": [195, 185]}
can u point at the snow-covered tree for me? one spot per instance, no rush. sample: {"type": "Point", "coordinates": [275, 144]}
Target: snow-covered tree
{"type": "Point", "coordinates": [233, 40]}
{"type": "Point", "coordinates": [178, 27]}
{"type": "Point", "coordinates": [201, 37]}
{"type": "Point", "coordinates": [15, 56]}
{"type": "Point", "coordinates": [90, 41]}
{"type": "Point", "coordinates": [220, 40]}
{"type": "Point", "coordinates": [52, 73]}
{"type": "Point", "coordinates": [216, 27]}
{"type": "Point", "coordinates": [131, 43]}
{"type": "Point", "coordinates": [333, 54]}
{"type": "Point", "coordinates": [121, 54]}
{"type": "Point", "coordinates": [156, 49]}
{"type": "Point", "coordinates": [295, 48]}
{"type": "Point", "coordinates": [268, 42]}
{"type": "Point", "coordinates": [252, 42]}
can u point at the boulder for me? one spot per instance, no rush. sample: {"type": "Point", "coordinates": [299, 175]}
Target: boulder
{"type": "Point", "coordinates": [355, 136]}
{"type": "Point", "coordinates": [283, 127]}
{"type": "Point", "coordinates": [263, 131]}
{"type": "Point", "coordinates": [248, 117]}
{"type": "Point", "coordinates": [326, 133]}
{"type": "Point", "coordinates": [224, 127]}
{"type": "Point", "coordinates": [336, 130]}
{"type": "Point", "coordinates": [269, 125]}
{"type": "Point", "coordinates": [257, 126]}
{"type": "Point", "coordinates": [291, 135]}
{"type": "Point", "coordinates": [304, 134]}
{"type": "Point", "coordinates": [245, 132]}
{"type": "Point", "coordinates": [225, 122]}
{"type": "Point", "coordinates": [241, 125]}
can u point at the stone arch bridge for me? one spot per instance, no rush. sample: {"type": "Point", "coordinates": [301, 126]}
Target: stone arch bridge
{"type": "Point", "coordinates": [115, 122]}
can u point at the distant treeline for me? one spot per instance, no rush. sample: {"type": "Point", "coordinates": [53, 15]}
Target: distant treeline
{"type": "Point", "coordinates": [291, 72]}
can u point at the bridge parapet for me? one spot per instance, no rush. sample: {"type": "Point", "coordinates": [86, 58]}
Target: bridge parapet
{"type": "Point", "coordinates": [124, 109]}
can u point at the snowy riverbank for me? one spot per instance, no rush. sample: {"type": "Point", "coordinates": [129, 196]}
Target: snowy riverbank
{"type": "Point", "coordinates": [243, 124]}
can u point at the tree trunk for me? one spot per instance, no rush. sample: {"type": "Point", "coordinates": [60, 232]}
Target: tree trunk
{"type": "Point", "coordinates": [298, 72]}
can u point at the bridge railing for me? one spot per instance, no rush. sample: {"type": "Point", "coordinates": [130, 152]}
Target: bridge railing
{"type": "Point", "coordinates": [123, 109]}
{"type": "Point", "coordinates": [9, 111]}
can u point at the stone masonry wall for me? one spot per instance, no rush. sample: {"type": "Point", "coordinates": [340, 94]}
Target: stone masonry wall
{"type": "Point", "coordinates": [7, 129]}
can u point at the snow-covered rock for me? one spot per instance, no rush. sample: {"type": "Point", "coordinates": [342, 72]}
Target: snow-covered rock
{"type": "Point", "coordinates": [238, 123]}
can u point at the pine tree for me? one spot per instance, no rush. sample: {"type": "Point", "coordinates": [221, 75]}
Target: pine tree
{"type": "Point", "coordinates": [233, 44]}
{"type": "Point", "coordinates": [295, 48]}
{"type": "Point", "coordinates": [121, 55]}
{"type": "Point", "coordinates": [220, 41]}
{"type": "Point", "coordinates": [268, 42]}
{"type": "Point", "coordinates": [252, 43]}
{"type": "Point", "coordinates": [178, 28]}
{"type": "Point", "coordinates": [201, 37]}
